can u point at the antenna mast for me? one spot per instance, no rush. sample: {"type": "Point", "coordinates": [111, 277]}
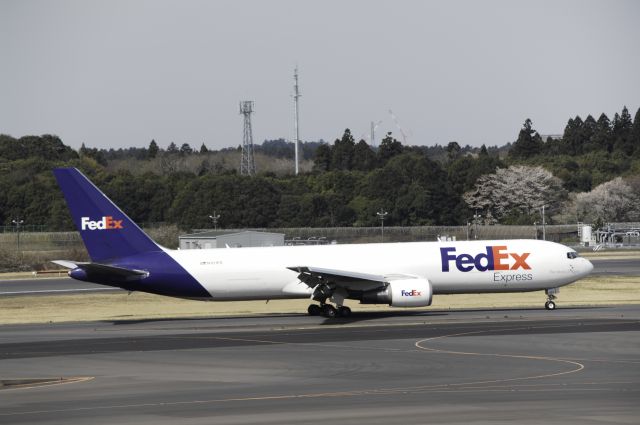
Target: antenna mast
{"type": "Point", "coordinates": [296, 127]}
{"type": "Point", "coordinates": [247, 164]}
{"type": "Point", "coordinates": [374, 126]}
{"type": "Point", "coordinates": [373, 134]}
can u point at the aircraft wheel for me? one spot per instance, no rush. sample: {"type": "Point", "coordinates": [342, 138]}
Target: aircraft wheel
{"type": "Point", "coordinates": [550, 305]}
{"type": "Point", "coordinates": [314, 310]}
{"type": "Point", "coordinates": [329, 311]}
{"type": "Point", "coordinates": [344, 311]}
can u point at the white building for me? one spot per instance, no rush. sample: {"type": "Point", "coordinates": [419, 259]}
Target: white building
{"type": "Point", "coordinates": [211, 239]}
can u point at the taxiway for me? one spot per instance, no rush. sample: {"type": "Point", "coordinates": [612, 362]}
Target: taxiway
{"type": "Point", "coordinates": [574, 365]}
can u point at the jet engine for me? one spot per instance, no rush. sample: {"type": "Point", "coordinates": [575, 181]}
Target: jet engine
{"type": "Point", "coordinates": [401, 293]}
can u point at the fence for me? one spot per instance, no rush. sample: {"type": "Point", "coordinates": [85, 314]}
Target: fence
{"type": "Point", "coordinates": [40, 241]}
{"type": "Point", "coordinates": [559, 233]}
{"type": "Point", "coordinates": [23, 228]}
{"type": "Point", "coordinates": [61, 241]}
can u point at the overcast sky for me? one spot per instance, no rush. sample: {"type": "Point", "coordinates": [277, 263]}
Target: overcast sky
{"type": "Point", "coordinates": [120, 73]}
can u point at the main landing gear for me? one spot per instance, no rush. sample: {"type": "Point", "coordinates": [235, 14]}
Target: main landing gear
{"type": "Point", "coordinates": [328, 311]}
{"type": "Point", "coordinates": [324, 291]}
{"type": "Point", "coordinates": [550, 304]}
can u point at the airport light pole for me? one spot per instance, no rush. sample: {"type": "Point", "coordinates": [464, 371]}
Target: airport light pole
{"type": "Point", "coordinates": [382, 215]}
{"type": "Point", "coordinates": [544, 233]}
{"type": "Point", "coordinates": [215, 217]}
{"type": "Point", "coordinates": [476, 217]}
{"type": "Point", "coordinates": [18, 223]}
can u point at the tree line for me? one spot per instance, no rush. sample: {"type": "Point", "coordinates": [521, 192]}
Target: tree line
{"type": "Point", "coordinates": [349, 181]}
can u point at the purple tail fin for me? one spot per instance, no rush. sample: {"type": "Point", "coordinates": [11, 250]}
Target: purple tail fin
{"type": "Point", "coordinates": [107, 232]}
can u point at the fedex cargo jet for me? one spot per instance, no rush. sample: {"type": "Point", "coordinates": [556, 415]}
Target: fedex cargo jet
{"type": "Point", "coordinates": [397, 274]}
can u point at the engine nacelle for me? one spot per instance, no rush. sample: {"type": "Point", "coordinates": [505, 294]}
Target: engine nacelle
{"type": "Point", "coordinates": [402, 293]}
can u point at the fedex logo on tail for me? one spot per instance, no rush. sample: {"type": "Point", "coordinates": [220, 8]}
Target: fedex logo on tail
{"type": "Point", "coordinates": [495, 258]}
{"type": "Point", "coordinates": [105, 223]}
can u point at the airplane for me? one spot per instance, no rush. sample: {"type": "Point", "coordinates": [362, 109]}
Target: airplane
{"type": "Point", "coordinates": [404, 274]}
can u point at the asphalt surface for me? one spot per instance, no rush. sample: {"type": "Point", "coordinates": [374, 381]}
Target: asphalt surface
{"type": "Point", "coordinates": [50, 286]}
{"type": "Point", "coordinates": [569, 366]}
{"type": "Point", "coordinates": [626, 267]}
{"type": "Point", "coordinates": [62, 286]}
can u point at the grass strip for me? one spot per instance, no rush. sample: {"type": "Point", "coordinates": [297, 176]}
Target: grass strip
{"type": "Point", "coordinates": [592, 291]}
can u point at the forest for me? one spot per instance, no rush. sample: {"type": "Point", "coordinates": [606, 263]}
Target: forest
{"type": "Point", "coordinates": [591, 173]}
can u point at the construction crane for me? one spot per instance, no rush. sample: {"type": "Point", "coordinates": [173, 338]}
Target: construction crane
{"type": "Point", "coordinates": [395, 120]}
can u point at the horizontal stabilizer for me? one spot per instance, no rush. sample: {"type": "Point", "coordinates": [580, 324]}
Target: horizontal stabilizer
{"type": "Point", "coordinates": [96, 269]}
{"type": "Point", "coordinates": [66, 264]}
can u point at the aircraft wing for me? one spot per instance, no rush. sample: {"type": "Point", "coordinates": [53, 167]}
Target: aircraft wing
{"type": "Point", "coordinates": [314, 276]}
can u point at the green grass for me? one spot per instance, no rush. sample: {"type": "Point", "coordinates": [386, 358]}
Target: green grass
{"type": "Point", "coordinates": [597, 290]}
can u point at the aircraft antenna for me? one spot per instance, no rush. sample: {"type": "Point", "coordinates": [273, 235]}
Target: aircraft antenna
{"type": "Point", "coordinates": [247, 163]}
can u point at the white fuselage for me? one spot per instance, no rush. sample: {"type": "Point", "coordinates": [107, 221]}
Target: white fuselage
{"type": "Point", "coordinates": [450, 267]}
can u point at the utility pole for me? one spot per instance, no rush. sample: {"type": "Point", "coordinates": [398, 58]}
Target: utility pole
{"type": "Point", "coordinates": [296, 116]}
{"type": "Point", "coordinates": [382, 215]}
{"type": "Point", "coordinates": [18, 223]}
{"type": "Point", "coordinates": [247, 164]}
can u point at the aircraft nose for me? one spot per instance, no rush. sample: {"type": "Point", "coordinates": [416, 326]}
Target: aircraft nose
{"type": "Point", "coordinates": [588, 266]}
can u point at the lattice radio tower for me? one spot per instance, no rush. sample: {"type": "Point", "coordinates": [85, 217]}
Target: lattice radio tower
{"type": "Point", "coordinates": [247, 164]}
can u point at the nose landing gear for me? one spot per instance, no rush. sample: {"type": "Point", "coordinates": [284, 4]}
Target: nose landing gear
{"type": "Point", "coordinates": [551, 296]}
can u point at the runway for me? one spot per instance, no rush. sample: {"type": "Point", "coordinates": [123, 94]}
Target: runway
{"type": "Point", "coordinates": [65, 285]}
{"type": "Point", "coordinates": [531, 366]}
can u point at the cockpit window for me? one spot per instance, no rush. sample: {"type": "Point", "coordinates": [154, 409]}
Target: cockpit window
{"type": "Point", "coordinates": [572, 254]}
